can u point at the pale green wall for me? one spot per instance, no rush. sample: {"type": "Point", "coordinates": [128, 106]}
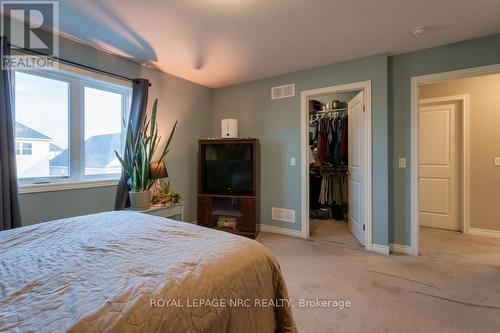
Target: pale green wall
{"type": "Point", "coordinates": [277, 124]}
{"type": "Point", "coordinates": [188, 102]}
{"type": "Point", "coordinates": [48, 206]}
{"type": "Point", "coordinates": [471, 53]}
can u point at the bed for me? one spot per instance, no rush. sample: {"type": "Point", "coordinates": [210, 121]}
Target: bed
{"type": "Point", "coordinates": [132, 272]}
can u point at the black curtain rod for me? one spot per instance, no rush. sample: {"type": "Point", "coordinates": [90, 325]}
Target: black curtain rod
{"type": "Point", "coordinates": [69, 62]}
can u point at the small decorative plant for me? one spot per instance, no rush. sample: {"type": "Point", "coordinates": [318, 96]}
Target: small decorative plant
{"type": "Point", "coordinates": [165, 196]}
{"type": "Point", "coordinates": [138, 155]}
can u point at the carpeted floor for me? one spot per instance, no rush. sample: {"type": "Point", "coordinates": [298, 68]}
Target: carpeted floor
{"type": "Point", "coordinates": [454, 286]}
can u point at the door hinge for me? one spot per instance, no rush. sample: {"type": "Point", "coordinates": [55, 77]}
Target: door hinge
{"type": "Point", "coordinates": [364, 108]}
{"type": "Point", "coordinates": [363, 227]}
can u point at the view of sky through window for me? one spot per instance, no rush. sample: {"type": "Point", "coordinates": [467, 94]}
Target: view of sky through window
{"type": "Point", "coordinates": [42, 113]}
{"type": "Point", "coordinates": [42, 104]}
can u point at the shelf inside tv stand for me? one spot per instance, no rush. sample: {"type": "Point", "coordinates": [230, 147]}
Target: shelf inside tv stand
{"type": "Point", "coordinates": [226, 212]}
{"type": "Point", "coordinates": [237, 196]}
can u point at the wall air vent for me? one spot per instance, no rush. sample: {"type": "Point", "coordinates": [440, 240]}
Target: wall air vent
{"type": "Point", "coordinates": [281, 214]}
{"type": "Point", "coordinates": [285, 91]}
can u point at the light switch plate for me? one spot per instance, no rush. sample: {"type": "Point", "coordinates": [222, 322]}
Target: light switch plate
{"type": "Point", "coordinates": [293, 162]}
{"type": "Point", "coordinates": [497, 161]}
{"type": "Point", "coordinates": [402, 163]}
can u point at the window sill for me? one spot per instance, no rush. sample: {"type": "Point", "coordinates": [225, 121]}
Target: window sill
{"type": "Point", "coordinates": [63, 186]}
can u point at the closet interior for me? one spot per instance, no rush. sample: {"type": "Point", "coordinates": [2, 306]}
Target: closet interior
{"type": "Point", "coordinates": [329, 153]}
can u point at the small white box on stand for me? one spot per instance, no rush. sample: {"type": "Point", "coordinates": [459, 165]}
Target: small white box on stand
{"type": "Point", "coordinates": [229, 128]}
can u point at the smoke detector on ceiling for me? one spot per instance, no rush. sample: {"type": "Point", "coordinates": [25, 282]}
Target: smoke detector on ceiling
{"type": "Point", "coordinates": [418, 31]}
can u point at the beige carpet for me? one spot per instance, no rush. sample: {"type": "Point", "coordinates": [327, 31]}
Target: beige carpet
{"type": "Point", "coordinates": [455, 246]}
{"type": "Point", "coordinates": [453, 287]}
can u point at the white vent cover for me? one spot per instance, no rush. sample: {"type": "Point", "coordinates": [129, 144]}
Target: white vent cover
{"type": "Point", "coordinates": [287, 90]}
{"type": "Point", "coordinates": [281, 214]}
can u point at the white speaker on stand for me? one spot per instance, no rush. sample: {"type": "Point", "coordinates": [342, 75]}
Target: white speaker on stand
{"type": "Point", "coordinates": [229, 128]}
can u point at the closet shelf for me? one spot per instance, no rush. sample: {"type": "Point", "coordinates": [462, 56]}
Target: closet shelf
{"type": "Point", "coordinates": [330, 166]}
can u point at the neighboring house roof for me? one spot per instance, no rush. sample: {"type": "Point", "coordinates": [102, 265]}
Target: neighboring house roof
{"type": "Point", "coordinates": [54, 148]}
{"type": "Point", "coordinates": [99, 151]}
{"type": "Point", "coordinates": [25, 132]}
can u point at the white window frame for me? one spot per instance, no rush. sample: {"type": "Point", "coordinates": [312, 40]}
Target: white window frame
{"type": "Point", "coordinates": [77, 80]}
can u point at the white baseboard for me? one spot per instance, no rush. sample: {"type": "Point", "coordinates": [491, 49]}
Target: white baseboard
{"type": "Point", "coordinates": [383, 249]}
{"type": "Point", "coordinates": [400, 248]}
{"type": "Point", "coordinates": [484, 232]}
{"type": "Point", "coordinates": [281, 231]}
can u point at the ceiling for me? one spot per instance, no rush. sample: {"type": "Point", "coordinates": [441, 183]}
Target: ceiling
{"type": "Point", "coordinates": [222, 42]}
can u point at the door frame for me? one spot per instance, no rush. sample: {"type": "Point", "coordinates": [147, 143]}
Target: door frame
{"type": "Point", "coordinates": [416, 82]}
{"type": "Point", "coordinates": [364, 86]}
{"type": "Point", "coordinates": [464, 160]}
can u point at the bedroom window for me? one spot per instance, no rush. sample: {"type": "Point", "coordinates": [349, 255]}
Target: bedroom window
{"type": "Point", "coordinates": [68, 125]}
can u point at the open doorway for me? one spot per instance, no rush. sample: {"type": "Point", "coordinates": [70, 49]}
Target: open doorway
{"type": "Point", "coordinates": [458, 166]}
{"type": "Point", "coordinates": [336, 163]}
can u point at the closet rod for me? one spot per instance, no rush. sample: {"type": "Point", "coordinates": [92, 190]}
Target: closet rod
{"type": "Point", "coordinates": [329, 167]}
{"type": "Point", "coordinates": [327, 111]}
{"type": "Point", "coordinates": [344, 171]}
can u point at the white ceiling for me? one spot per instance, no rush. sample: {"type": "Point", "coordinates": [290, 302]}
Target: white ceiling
{"type": "Point", "coordinates": [222, 42]}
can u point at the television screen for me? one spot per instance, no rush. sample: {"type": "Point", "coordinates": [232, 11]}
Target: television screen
{"type": "Point", "coordinates": [228, 169]}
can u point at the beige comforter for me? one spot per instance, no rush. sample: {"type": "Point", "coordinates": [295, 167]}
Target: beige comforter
{"type": "Point", "coordinates": [131, 272]}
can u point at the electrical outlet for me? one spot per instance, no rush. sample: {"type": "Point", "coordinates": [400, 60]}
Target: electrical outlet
{"type": "Point", "coordinates": [402, 163]}
{"type": "Point", "coordinates": [293, 162]}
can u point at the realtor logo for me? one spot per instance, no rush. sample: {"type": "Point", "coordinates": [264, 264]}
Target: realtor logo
{"type": "Point", "coordinates": [29, 27]}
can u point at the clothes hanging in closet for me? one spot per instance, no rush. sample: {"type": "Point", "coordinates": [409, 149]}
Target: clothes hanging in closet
{"type": "Point", "coordinates": [328, 139]}
{"type": "Point", "coordinates": [333, 189]}
{"type": "Point", "coordinates": [329, 134]}
{"type": "Point", "coordinates": [329, 189]}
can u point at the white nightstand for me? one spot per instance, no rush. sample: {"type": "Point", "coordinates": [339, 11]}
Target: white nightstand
{"type": "Point", "coordinates": [173, 211]}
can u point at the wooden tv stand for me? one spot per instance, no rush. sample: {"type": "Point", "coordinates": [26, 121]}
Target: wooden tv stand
{"type": "Point", "coordinates": [243, 209]}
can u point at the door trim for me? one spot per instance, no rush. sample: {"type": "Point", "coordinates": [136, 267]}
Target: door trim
{"type": "Point", "coordinates": [417, 81]}
{"type": "Point", "coordinates": [464, 165]}
{"type": "Point", "coordinates": [364, 86]}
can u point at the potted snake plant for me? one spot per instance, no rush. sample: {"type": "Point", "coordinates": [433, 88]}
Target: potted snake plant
{"type": "Point", "coordinates": [138, 156]}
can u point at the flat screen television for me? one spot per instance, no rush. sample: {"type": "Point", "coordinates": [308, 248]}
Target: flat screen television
{"type": "Point", "coordinates": [228, 168]}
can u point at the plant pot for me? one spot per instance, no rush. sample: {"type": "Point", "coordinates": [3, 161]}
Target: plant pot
{"type": "Point", "coordinates": [140, 200]}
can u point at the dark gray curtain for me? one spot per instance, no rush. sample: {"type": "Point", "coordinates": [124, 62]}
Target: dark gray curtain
{"type": "Point", "coordinates": [137, 113]}
{"type": "Point", "coordinates": [10, 214]}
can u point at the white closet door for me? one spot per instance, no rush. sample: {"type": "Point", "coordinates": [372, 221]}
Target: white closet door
{"type": "Point", "coordinates": [438, 166]}
{"type": "Point", "coordinates": [356, 144]}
